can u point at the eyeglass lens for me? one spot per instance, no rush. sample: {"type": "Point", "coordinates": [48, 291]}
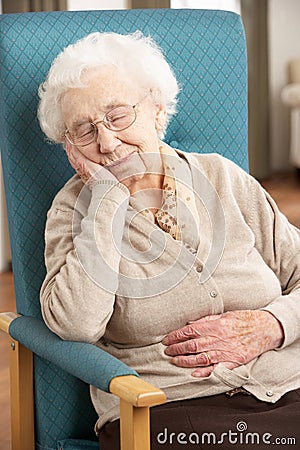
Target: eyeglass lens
{"type": "Point", "coordinates": [117, 119]}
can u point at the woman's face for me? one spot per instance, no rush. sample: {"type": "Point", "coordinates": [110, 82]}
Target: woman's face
{"type": "Point", "coordinates": [105, 89]}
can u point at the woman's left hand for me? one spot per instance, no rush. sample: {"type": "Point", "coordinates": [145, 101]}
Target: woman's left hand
{"type": "Point", "coordinates": [233, 338]}
{"type": "Point", "coordinates": [89, 171]}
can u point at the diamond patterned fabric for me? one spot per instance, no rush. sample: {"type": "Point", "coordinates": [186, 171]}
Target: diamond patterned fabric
{"type": "Point", "coordinates": [72, 444]}
{"type": "Point", "coordinates": [207, 52]}
{"type": "Point", "coordinates": [85, 361]}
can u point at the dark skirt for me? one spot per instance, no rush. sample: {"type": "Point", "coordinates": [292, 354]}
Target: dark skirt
{"type": "Point", "coordinates": [222, 422]}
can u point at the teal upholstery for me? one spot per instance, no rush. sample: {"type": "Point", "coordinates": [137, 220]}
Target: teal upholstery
{"type": "Point", "coordinates": [85, 361]}
{"type": "Point", "coordinates": [76, 444]}
{"type": "Point", "coordinates": [208, 54]}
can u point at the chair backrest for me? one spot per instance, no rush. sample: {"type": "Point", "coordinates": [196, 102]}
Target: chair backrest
{"type": "Point", "coordinates": [208, 54]}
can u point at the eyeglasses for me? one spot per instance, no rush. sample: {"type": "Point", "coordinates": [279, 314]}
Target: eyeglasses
{"type": "Point", "coordinates": [117, 119]}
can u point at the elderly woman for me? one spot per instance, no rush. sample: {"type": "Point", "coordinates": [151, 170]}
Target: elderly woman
{"type": "Point", "coordinates": [178, 264]}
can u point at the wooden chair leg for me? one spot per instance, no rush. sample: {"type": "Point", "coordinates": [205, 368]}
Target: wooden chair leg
{"type": "Point", "coordinates": [21, 397]}
{"type": "Point", "coordinates": [134, 427]}
{"type": "Point", "coordinates": [136, 398]}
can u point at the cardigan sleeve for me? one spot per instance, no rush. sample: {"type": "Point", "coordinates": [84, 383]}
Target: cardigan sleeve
{"type": "Point", "coordinates": [82, 254]}
{"type": "Point", "coordinates": [278, 242]}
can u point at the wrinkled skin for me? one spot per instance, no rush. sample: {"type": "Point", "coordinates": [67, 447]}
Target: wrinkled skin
{"type": "Point", "coordinates": [233, 338]}
{"type": "Point", "coordinates": [131, 155]}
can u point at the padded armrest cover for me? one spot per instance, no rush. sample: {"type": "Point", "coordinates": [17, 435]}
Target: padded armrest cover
{"type": "Point", "coordinates": [85, 361]}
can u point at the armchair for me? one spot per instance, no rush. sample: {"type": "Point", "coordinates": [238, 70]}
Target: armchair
{"type": "Point", "coordinates": [51, 408]}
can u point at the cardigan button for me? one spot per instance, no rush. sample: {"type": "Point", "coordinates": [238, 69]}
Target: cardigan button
{"type": "Point", "coordinates": [269, 393]}
{"type": "Point", "coordinates": [199, 268]}
{"type": "Point", "coordinates": [213, 294]}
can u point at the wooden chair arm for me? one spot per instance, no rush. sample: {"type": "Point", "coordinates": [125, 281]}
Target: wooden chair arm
{"type": "Point", "coordinates": [6, 319]}
{"type": "Point", "coordinates": [136, 397]}
{"type": "Point", "coordinates": [21, 390]}
{"type": "Point", "coordinates": [136, 391]}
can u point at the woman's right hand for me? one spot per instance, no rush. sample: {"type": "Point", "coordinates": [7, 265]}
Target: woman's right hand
{"type": "Point", "coordinates": [89, 171]}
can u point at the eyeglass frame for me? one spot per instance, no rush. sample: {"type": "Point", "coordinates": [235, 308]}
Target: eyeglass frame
{"type": "Point", "coordinates": [106, 124]}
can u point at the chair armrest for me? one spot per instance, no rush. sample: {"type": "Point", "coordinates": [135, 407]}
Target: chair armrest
{"type": "Point", "coordinates": [136, 391]}
{"type": "Point", "coordinates": [136, 398]}
{"type": "Point", "coordinates": [85, 361]}
{"type": "Point", "coordinates": [6, 319]}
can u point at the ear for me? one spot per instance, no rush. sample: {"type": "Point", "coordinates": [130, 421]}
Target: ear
{"type": "Point", "coordinates": [160, 118]}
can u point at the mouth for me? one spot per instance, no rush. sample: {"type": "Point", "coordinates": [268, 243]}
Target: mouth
{"type": "Point", "coordinates": [120, 160]}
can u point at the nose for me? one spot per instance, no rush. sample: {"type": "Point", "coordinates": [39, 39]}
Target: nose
{"type": "Point", "coordinates": [106, 139]}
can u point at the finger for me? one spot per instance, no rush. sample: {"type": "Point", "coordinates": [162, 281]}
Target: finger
{"type": "Point", "coordinates": [70, 148]}
{"type": "Point", "coordinates": [202, 359]}
{"type": "Point", "coordinates": [192, 330]}
{"type": "Point", "coordinates": [206, 371]}
{"type": "Point", "coordinates": [74, 152]}
{"type": "Point", "coordinates": [181, 335]}
{"type": "Point", "coordinates": [203, 372]}
{"type": "Point", "coordinates": [73, 156]}
{"type": "Point", "coordinates": [190, 346]}
{"type": "Point", "coordinates": [206, 358]}
{"type": "Point", "coordinates": [83, 166]}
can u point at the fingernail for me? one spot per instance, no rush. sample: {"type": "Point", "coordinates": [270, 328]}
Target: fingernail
{"type": "Point", "coordinates": [196, 374]}
{"type": "Point", "coordinates": [174, 361]}
{"type": "Point", "coordinates": [165, 341]}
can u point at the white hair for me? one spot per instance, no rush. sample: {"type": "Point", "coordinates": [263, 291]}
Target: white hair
{"type": "Point", "coordinates": [137, 55]}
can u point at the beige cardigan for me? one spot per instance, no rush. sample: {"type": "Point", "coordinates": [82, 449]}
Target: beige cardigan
{"type": "Point", "coordinates": [248, 258]}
